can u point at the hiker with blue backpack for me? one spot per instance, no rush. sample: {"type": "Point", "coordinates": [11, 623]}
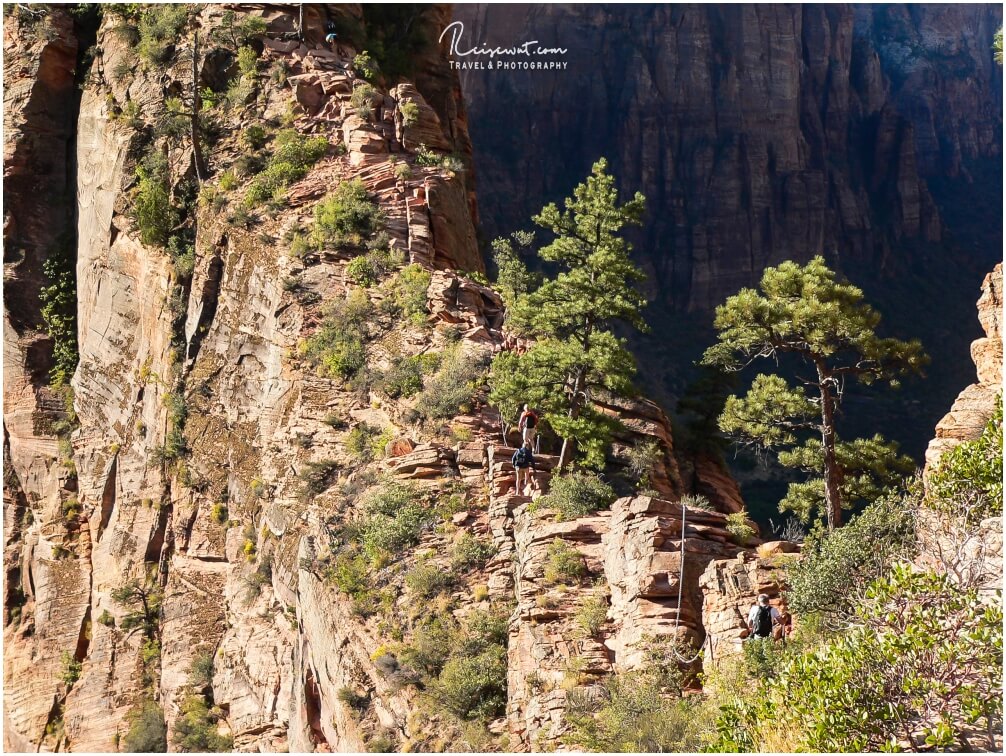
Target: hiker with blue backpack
{"type": "Point", "coordinates": [523, 464]}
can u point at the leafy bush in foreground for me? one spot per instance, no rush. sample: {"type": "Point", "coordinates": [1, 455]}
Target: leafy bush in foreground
{"type": "Point", "coordinates": [923, 667]}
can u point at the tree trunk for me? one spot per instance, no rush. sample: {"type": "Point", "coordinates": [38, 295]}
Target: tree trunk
{"type": "Point", "coordinates": [832, 471]}
{"type": "Point", "coordinates": [576, 403]}
{"type": "Point", "coordinates": [197, 148]}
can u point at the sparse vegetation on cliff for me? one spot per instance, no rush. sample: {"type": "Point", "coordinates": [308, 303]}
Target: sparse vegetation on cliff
{"type": "Point", "coordinates": [292, 156]}
{"type": "Point", "coordinates": [59, 312]}
{"type": "Point", "coordinates": [147, 731]}
{"type": "Point", "coordinates": [346, 216]}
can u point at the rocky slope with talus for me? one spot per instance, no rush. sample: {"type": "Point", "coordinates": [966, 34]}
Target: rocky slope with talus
{"type": "Point", "coordinates": [223, 470]}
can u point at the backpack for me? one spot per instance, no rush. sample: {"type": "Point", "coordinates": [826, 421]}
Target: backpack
{"type": "Point", "coordinates": [522, 458]}
{"type": "Point", "coordinates": [763, 622]}
{"type": "Point", "coordinates": [530, 420]}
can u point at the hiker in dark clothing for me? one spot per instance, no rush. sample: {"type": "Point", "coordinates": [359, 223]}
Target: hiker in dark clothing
{"type": "Point", "coordinates": [762, 618]}
{"type": "Point", "coordinates": [523, 463]}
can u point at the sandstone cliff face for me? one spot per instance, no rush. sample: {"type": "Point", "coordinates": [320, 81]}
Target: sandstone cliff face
{"type": "Point", "coordinates": [39, 103]}
{"type": "Point", "coordinates": [238, 532]}
{"type": "Point", "coordinates": [757, 133]}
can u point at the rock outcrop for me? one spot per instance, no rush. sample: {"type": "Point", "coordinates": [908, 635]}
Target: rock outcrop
{"type": "Point", "coordinates": [975, 404]}
{"type": "Point", "coordinates": [730, 587]}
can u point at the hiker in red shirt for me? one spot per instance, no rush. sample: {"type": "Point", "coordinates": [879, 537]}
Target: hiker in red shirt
{"type": "Point", "coordinates": [528, 426]}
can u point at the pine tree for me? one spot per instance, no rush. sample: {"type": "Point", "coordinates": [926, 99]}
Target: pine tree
{"type": "Point", "coordinates": [804, 311]}
{"type": "Point", "coordinates": [575, 354]}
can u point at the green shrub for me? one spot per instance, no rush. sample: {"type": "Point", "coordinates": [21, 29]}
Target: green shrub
{"type": "Point", "coordinates": [292, 157]}
{"type": "Point", "coordinates": [697, 501]}
{"type": "Point", "coordinates": [406, 294]}
{"type": "Point", "coordinates": [71, 669]}
{"type": "Point", "coordinates": [362, 271]}
{"type": "Point", "coordinates": [739, 528]}
{"type": "Point", "coordinates": [154, 214]}
{"type": "Point", "coordinates": [429, 158]}
{"type": "Point", "coordinates": [260, 578]}
{"type": "Point", "coordinates": [432, 643]}
{"type": "Point", "coordinates": [364, 65]}
{"type": "Point", "coordinates": [470, 553]}
{"type": "Point", "coordinates": [195, 730]}
{"type": "Point", "coordinates": [405, 376]}
{"type": "Point", "coordinates": [426, 581]}
{"type": "Point", "coordinates": [591, 615]}
{"type": "Point", "coordinates": [337, 347]}
{"type": "Point", "coordinates": [247, 61]}
{"type": "Point", "coordinates": [352, 699]}
{"type": "Point", "coordinates": [346, 216]}
{"type": "Point", "coordinates": [577, 494]}
{"type": "Point", "coordinates": [451, 389]}
{"type": "Point", "coordinates": [150, 653]}
{"type": "Point", "coordinates": [563, 563]}
{"type": "Point", "coordinates": [382, 534]}
{"type": "Point", "coordinates": [228, 181]}
{"type": "Point", "coordinates": [350, 574]}
{"type": "Point", "coordinates": [299, 246]}
{"type": "Point", "coordinates": [393, 519]}
{"type": "Point", "coordinates": [219, 514]}
{"type": "Point", "coordinates": [968, 479]}
{"type": "Point", "coordinates": [368, 269]}
{"type": "Point", "coordinates": [147, 731]}
{"type": "Point", "coordinates": [235, 32]}
{"type": "Point", "coordinates": [175, 445]}
{"type": "Point", "coordinates": [71, 509]}
{"type": "Point", "coordinates": [316, 477]}
{"type": "Point", "coordinates": [183, 256]}
{"type": "Point", "coordinates": [201, 671]}
{"type": "Point", "coordinates": [632, 714]}
{"type": "Point", "coordinates": [403, 171]}
{"type": "Point", "coordinates": [106, 618]}
{"type": "Point", "coordinates": [836, 567]}
{"type": "Point", "coordinates": [253, 137]}
{"type": "Point", "coordinates": [364, 98]}
{"type": "Point", "coordinates": [410, 113]}
{"type": "Point", "coordinates": [473, 687]}
{"type": "Point", "coordinates": [335, 420]}
{"type": "Point", "coordinates": [382, 742]}
{"type": "Point", "coordinates": [924, 652]}
{"type": "Point", "coordinates": [160, 27]}
{"type": "Point", "coordinates": [640, 460]}
{"type": "Point", "coordinates": [359, 442]}
{"type": "Point", "coordinates": [59, 312]}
